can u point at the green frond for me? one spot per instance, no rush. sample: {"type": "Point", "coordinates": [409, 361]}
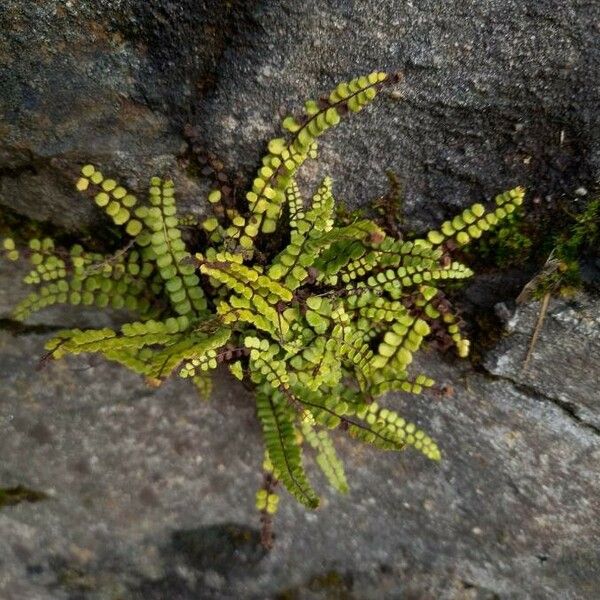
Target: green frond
{"type": "Point", "coordinates": [381, 255]}
{"type": "Point", "coordinates": [9, 251]}
{"type": "Point", "coordinates": [391, 379]}
{"type": "Point", "coordinates": [267, 501]}
{"type": "Point", "coordinates": [85, 278]}
{"type": "Point", "coordinates": [197, 350]}
{"type": "Point", "coordinates": [389, 430]}
{"type": "Point", "coordinates": [237, 370]}
{"type": "Point", "coordinates": [329, 407]}
{"type": "Point", "coordinates": [175, 264]}
{"type": "Point", "coordinates": [248, 282]}
{"type": "Point", "coordinates": [116, 201]}
{"type": "Point", "coordinates": [152, 348]}
{"type": "Point", "coordinates": [319, 216]}
{"type": "Point", "coordinates": [285, 157]}
{"type": "Point", "coordinates": [319, 248]}
{"type": "Point", "coordinates": [327, 458]}
{"type": "Point", "coordinates": [295, 204]}
{"type": "Point", "coordinates": [276, 418]}
{"type": "Point", "coordinates": [132, 337]}
{"type": "Point", "coordinates": [202, 354]}
{"type": "Point", "coordinates": [474, 221]}
{"type": "Point", "coordinates": [188, 220]}
{"type": "Point", "coordinates": [400, 342]}
{"type": "Point", "coordinates": [203, 383]}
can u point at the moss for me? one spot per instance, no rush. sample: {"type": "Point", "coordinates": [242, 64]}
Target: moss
{"type": "Point", "coordinates": [557, 240]}
{"type": "Point", "coordinates": [508, 245]}
{"type": "Point", "coordinates": [18, 494]}
{"type": "Point", "coordinates": [332, 584]}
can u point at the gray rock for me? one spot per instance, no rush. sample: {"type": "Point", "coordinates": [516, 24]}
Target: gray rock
{"type": "Point", "coordinates": [489, 86]}
{"type": "Point", "coordinates": [152, 492]}
{"type": "Point", "coordinates": [96, 82]}
{"type": "Point", "coordinates": [496, 93]}
{"type": "Point", "coordinates": [565, 360]}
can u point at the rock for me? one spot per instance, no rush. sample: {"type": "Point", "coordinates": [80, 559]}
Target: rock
{"type": "Point", "coordinates": [565, 361]}
{"type": "Point", "coordinates": [151, 494]}
{"type": "Point", "coordinates": [475, 115]}
{"type": "Point", "coordinates": [91, 82]}
{"type": "Point", "coordinates": [495, 94]}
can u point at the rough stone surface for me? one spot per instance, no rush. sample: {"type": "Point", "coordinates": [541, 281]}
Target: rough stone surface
{"type": "Point", "coordinates": [106, 82]}
{"type": "Point", "coordinates": [151, 493]}
{"type": "Point", "coordinates": [568, 344]}
{"type": "Point", "coordinates": [496, 92]}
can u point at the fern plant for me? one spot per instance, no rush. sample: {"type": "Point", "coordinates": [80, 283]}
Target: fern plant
{"type": "Point", "coordinates": [319, 327]}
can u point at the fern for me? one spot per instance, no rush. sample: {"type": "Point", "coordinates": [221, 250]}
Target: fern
{"type": "Point", "coordinates": [327, 458]}
{"type": "Point", "coordinates": [277, 420]}
{"type": "Point", "coordinates": [319, 327]}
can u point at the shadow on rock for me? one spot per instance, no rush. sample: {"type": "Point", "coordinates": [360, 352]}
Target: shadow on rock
{"type": "Point", "coordinates": [227, 549]}
{"type": "Point", "coordinates": [200, 562]}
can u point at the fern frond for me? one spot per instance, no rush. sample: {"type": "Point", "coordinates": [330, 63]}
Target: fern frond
{"type": "Point", "coordinates": [390, 430]}
{"type": "Point", "coordinates": [77, 277]}
{"type": "Point", "coordinates": [133, 336]}
{"type": "Point", "coordinates": [276, 418]}
{"type": "Point", "coordinates": [174, 262]}
{"type": "Point", "coordinates": [197, 350]}
{"type": "Point", "coordinates": [116, 201]}
{"type": "Point", "coordinates": [9, 250]}
{"type": "Point", "coordinates": [327, 458]}
{"type": "Point", "coordinates": [473, 221]}
{"type": "Point", "coordinates": [203, 383]}
{"type": "Point", "coordinates": [295, 204]}
{"type": "Point", "coordinates": [286, 157]}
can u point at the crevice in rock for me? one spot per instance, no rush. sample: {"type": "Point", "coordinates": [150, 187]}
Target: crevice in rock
{"type": "Point", "coordinates": [18, 328]}
{"type": "Point", "coordinates": [104, 237]}
{"type": "Point", "coordinates": [15, 495]}
{"type": "Point", "coordinates": [16, 171]}
{"type": "Point", "coordinates": [183, 44]}
{"type": "Point", "coordinates": [568, 408]}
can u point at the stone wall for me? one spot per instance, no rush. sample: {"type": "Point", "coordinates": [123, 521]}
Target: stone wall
{"type": "Point", "coordinates": [149, 493]}
{"type": "Point", "coordinates": [496, 92]}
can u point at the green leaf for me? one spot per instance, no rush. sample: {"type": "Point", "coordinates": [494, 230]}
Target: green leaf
{"type": "Point", "coordinates": [284, 450]}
